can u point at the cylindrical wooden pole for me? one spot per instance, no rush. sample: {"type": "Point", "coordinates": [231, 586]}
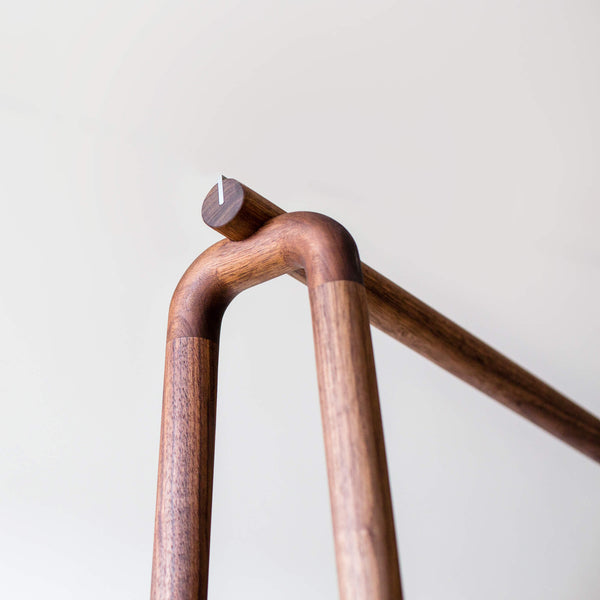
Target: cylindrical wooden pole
{"type": "Point", "coordinates": [410, 321]}
{"type": "Point", "coordinates": [363, 522]}
{"type": "Point", "coordinates": [185, 472]}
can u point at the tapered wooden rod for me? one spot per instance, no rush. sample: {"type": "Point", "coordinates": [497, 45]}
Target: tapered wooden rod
{"type": "Point", "coordinates": [412, 322]}
{"type": "Point", "coordinates": [363, 523]}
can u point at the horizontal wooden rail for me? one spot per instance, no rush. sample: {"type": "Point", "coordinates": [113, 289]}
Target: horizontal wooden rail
{"type": "Point", "coordinates": [394, 311]}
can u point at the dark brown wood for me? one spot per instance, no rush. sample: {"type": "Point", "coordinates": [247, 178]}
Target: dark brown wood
{"type": "Point", "coordinates": [410, 321]}
{"type": "Point", "coordinates": [363, 523]}
{"type": "Point", "coordinates": [185, 471]}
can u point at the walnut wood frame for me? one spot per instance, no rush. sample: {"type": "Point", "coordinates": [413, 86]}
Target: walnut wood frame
{"type": "Point", "coordinates": [365, 541]}
{"type": "Point", "coordinates": [265, 242]}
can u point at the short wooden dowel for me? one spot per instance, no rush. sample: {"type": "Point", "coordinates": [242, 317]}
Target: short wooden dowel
{"type": "Point", "coordinates": [363, 524]}
{"type": "Point", "coordinates": [404, 317]}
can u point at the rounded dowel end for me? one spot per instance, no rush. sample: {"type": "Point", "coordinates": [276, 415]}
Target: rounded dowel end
{"type": "Point", "coordinates": [241, 213]}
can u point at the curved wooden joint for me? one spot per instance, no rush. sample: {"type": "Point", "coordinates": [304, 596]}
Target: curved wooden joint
{"type": "Point", "coordinates": [363, 524]}
{"type": "Point", "coordinates": [303, 240]}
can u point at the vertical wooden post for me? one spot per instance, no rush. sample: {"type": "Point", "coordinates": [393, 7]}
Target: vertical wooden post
{"type": "Point", "coordinates": [363, 522]}
{"type": "Point", "coordinates": [185, 472]}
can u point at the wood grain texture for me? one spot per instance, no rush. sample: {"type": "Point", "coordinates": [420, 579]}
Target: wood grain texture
{"type": "Point", "coordinates": [303, 240]}
{"type": "Point", "coordinates": [364, 529]}
{"type": "Point", "coordinates": [409, 320]}
{"type": "Point", "coordinates": [242, 212]}
{"type": "Point", "coordinates": [185, 472]}
{"type": "Point", "coordinates": [366, 554]}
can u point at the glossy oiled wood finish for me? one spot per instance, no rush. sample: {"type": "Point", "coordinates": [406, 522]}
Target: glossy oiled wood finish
{"type": "Point", "coordinates": [410, 321]}
{"type": "Point", "coordinates": [363, 524]}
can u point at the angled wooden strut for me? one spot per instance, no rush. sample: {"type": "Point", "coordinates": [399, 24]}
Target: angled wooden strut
{"type": "Point", "coordinates": [410, 321]}
{"type": "Point", "coordinates": [365, 543]}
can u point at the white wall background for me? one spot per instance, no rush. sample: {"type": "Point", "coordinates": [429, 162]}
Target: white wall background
{"type": "Point", "coordinates": [458, 141]}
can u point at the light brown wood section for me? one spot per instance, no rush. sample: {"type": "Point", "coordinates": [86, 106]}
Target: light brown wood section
{"type": "Point", "coordinates": [185, 473]}
{"type": "Point", "coordinates": [363, 522]}
{"type": "Point", "coordinates": [401, 315]}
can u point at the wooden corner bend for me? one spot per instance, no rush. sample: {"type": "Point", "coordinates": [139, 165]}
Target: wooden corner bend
{"type": "Point", "coordinates": [365, 542]}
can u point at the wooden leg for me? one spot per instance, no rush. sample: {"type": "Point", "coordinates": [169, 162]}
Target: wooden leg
{"type": "Point", "coordinates": [185, 476]}
{"type": "Point", "coordinates": [363, 522]}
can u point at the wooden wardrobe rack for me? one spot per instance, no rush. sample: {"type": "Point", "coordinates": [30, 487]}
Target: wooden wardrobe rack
{"type": "Point", "coordinates": [264, 242]}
